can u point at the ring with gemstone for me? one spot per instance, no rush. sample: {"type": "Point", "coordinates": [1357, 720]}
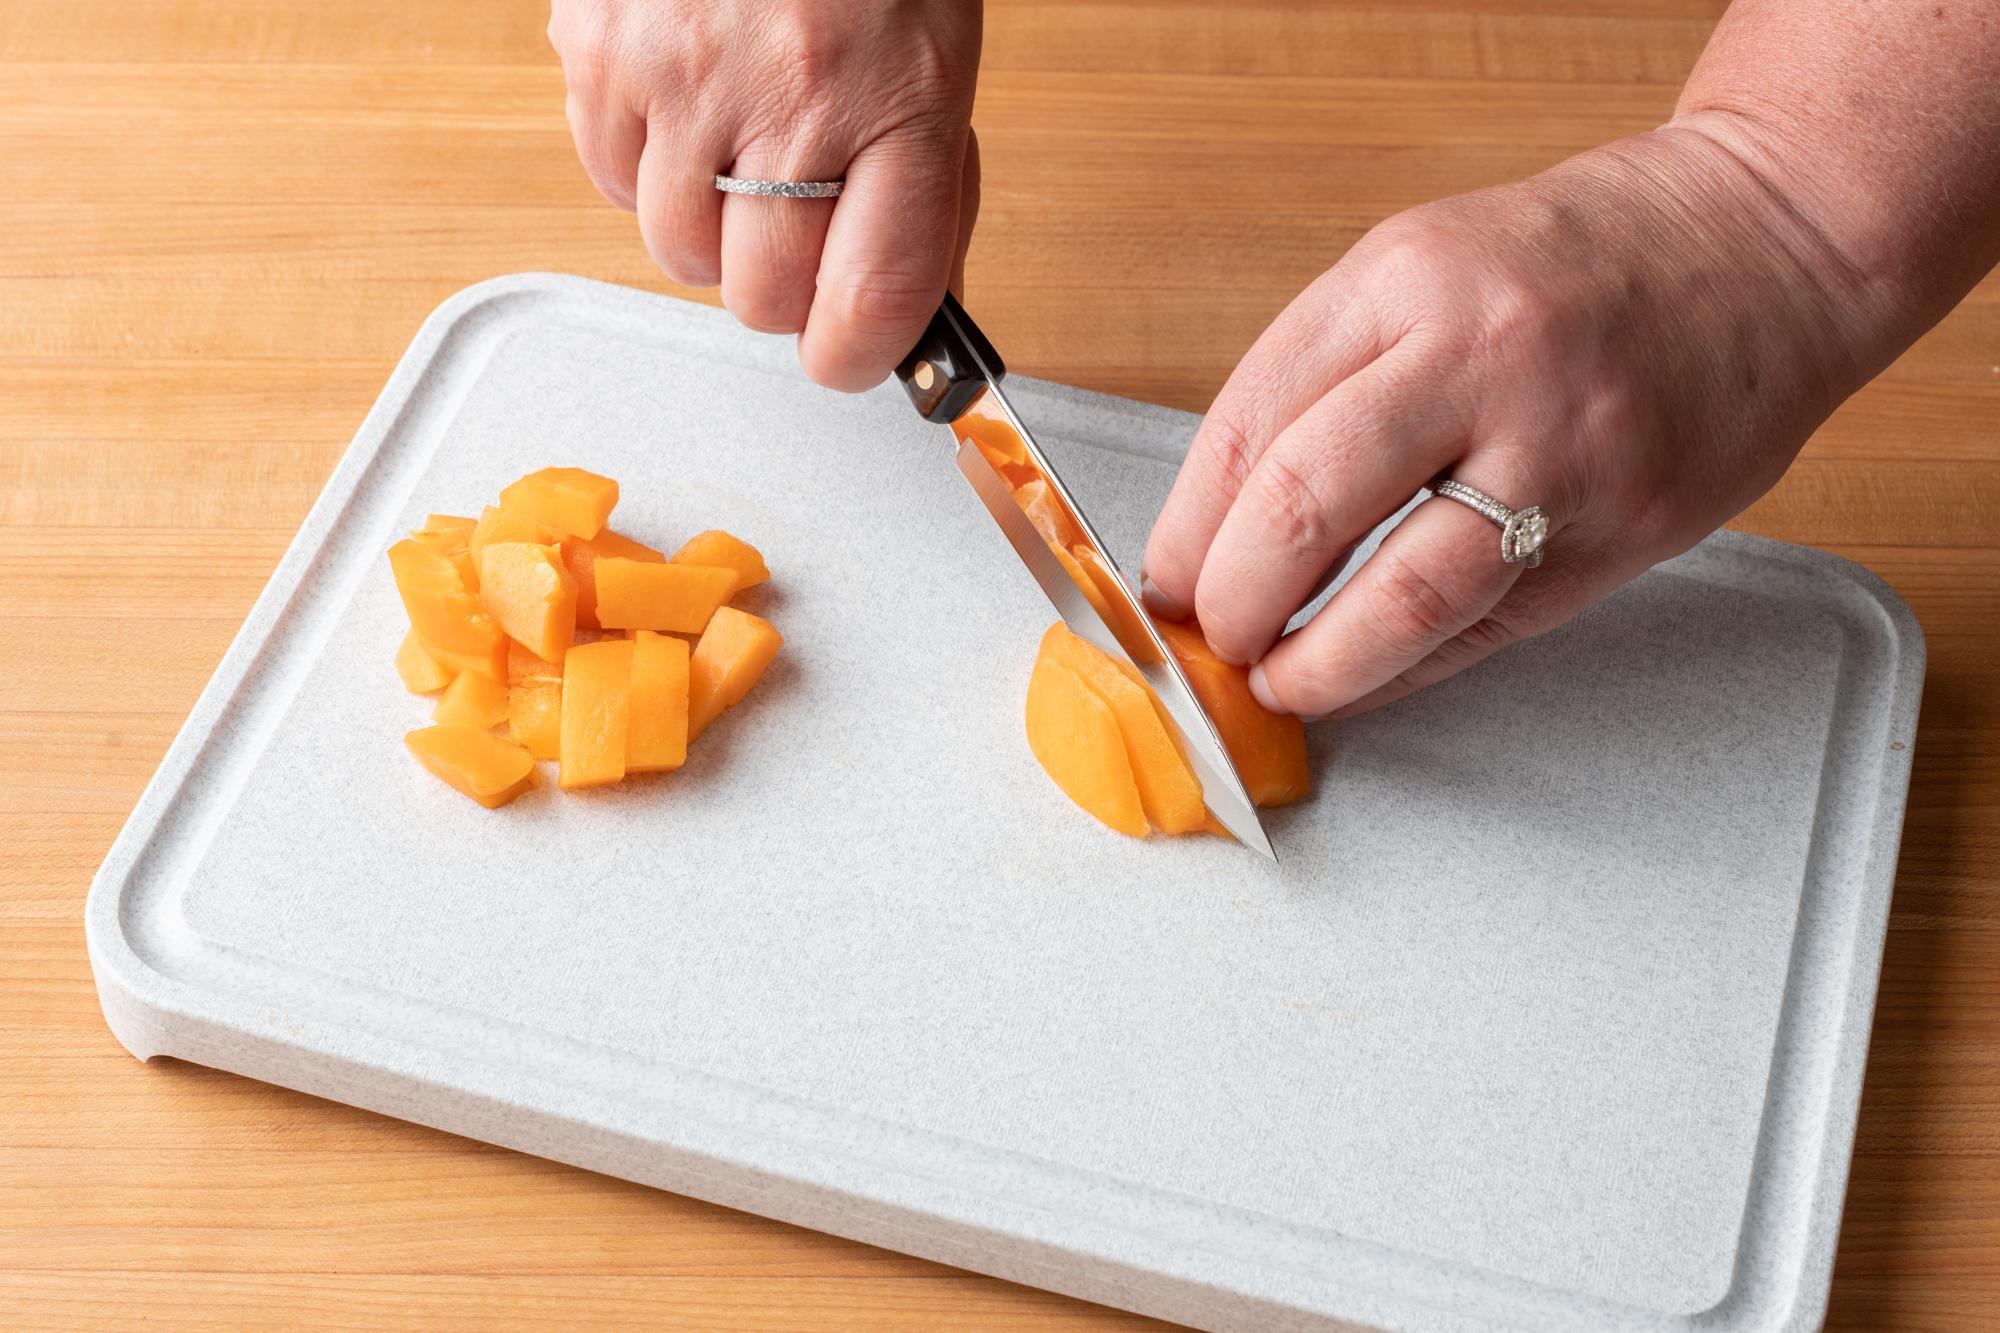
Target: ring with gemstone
{"type": "Point", "coordinates": [1522, 531]}
{"type": "Point", "coordinates": [780, 189]}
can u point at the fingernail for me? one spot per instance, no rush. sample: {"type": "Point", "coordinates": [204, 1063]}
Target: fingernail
{"type": "Point", "coordinates": [1161, 605]}
{"type": "Point", "coordinates": [1260, 689]}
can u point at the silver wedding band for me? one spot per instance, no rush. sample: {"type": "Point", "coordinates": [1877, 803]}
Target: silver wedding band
{"type": "Point", "coordinates": [1522, 531]}
{"type": "Point", "coordinates": [780, 189]}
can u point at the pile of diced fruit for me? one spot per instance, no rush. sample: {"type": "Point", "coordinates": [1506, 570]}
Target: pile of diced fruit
{"type": "Point", "coordinates": [538, 618]}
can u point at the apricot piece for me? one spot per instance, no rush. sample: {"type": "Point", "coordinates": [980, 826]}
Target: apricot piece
{"type": "Point", "coordinates": [1075, 737]}
{"type": "Point", "coordinates": [596, 713]}
{"type": "Point", "coordinates": [722, 551]}
{"type": "Point", "coordinates": [1168, 789]}
{"type": "Point", "coordinates": [443, 534]}
{"type": "Point", "coordinates": [446, 617]}
{"type": "Point", "coordinates": [475, 761]}
{"type": "Point", "coordinates": [1119, 615]}
{"type": "Point", "coordinates": [1269, 749]}
{"type": "Point", "coordinates": [500, 525]}
{"type": "Point", "coordinates": [421, 673]}
{"type": "Point", "coordinates": [634, 594]}
{"type": "Point", "coordinates": [472, 700]}
{"type": "Point", "coordinates": [524, 665]}
{"type": "Point", "coordinates": [530, 595]}
{"type": "Point", "coordinates": [567, 499]}
{"type": "Point", "coordinates": [534, 715]}
{"type": "Point", "coordinates": [727, 661]}
{"type": "Point", "coordinates": [1045, 509]}
{"type": "Point", "coordinates": [657, 736]}
{"type": "Point", "coordinates": [580, 557]}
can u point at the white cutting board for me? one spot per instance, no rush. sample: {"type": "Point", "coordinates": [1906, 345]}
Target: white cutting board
{"type": "Point", "coordinates": [1552, 1016]}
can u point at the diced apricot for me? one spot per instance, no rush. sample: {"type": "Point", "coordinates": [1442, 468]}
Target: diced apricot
{"type": "Point", "coordinates": [722, 551]}
{"type": "Point", "coordinates": [446, 618]}
{"type": "Point", "coordinates": [524, 665]}
{"type": "Point", "coordinates": [421, 673]}
{"type": "Point", "coordinates": [596, 713]}
{"type": "Point", "coordinates": [534, 715]}
{"type": "Point", "coordinates": [451, 543]}
{"type": "Point", "coordinates": [1120, 616]}
{"type": "Point", "coordinates": [1168, 789]}
{"type": "Point", "coordinates": [568, 499]}
{"type": "Point", "coordinates": [730, 658]}
{"type": "Point", "coordinates": [449, 523]}
{"type": "Point", "coordinates": [475, 761]}
{"type": "Point", "coordinates": [1075, 737]}
{"type": "Point", "coordinates": [530, 595]}
{"type": "Point", "coordinates": [472, 700]}
{"type": "Point", "coordinates": [1045, 509]}
{"type": "Point", "coordinates": [657, 736]}
{"type": "Point", "coordinates": [1269, 749]}
{"type": "Point", "coordinates": [634, 594]}
{"type": "Point", "coordinates": [500, 525]}
{"type": "Point", "coordinates": [580, 557]}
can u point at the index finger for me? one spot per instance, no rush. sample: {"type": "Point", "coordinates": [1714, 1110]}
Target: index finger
{"type": "Point", "coordinates": [1316, 342]}
{"type": "Point", "coordinates": [889, 252]}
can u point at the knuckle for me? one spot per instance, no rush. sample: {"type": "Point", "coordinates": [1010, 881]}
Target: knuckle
{"type": "Point", "coordinates": [883, 296]}
{"type": "Point", "coordinates": [1228, 449]}
{"type": "Point", "coordinates": [1293, 516]}
{"type": "Point", "coordinates": [1517, 317]}
{"type": "Point", "coordinates": [1408, 605]}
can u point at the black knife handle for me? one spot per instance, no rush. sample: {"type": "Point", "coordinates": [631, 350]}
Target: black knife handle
{"type": "Point", "coordinates": [941, 374]}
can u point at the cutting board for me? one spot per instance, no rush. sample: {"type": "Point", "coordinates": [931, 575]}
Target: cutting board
{"type": "Point", "coordinates": [1551, 1016]}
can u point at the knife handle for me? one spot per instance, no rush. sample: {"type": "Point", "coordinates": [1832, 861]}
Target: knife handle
{"type": "Point", "coordinates": [942, 373]}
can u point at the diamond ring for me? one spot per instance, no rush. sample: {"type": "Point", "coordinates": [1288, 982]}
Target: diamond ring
{"type": "Point", "coordinates": [780, 189]}
{"type": "Point", "coordinates": [1522, 531]}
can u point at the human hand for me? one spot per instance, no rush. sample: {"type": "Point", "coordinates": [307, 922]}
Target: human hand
{"type": "Point", "coordinates": [666, 94]}
{"type": "Point", "coordinates": [1637, 341]}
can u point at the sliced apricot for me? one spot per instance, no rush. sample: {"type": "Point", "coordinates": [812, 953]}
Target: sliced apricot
{"type": "Point", "coordinates": [1119, 615]}
{"type": "Point", "coordinates": [1269, 749]}
{"type": "Point", "coordinates": [580, 557]}
{"type": "Point", "coordinates": [635, 594]}
{"type": "Point", "coordinates": [472, 700]}
{"type": "Point", "coordinates": [1075, 737]}
{"type": "Point", "coordinates": [445, 616]}
{"type": "Point", "coordinates": [657, 736]}
{"type": "Point", "coordinates": [729, 659]}
{"type": "Point", "coordinates": [596, 713]}
{"type": "Point", "coordinates": [1168, 789]}
{"type": "Point", "coordinates": [529, 593]}
{"type": "Point", "coordinates": [534, 715]}
{"type": "Point", "coordinates": [717, 548]}
{"type": "Point", "coordinates": [421, 673]}
{"type": "Point", "coordinates": [568, 499]}
{"type": "Point", "coordinates": [475, 761]}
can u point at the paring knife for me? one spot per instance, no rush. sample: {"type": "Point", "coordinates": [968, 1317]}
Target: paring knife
{"type": "Point", "coordinates": [953, 377]}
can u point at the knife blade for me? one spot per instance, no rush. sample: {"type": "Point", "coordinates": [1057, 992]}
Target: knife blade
{"type": "Point", "coordinates": [953, 377]}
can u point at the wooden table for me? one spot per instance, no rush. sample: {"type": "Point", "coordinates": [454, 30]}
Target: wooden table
{"type": "Point", "coordinates": [220, 223]}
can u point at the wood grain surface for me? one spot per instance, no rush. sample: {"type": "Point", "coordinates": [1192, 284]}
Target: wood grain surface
{"type": "Point", "coordinates": [222, 220]}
